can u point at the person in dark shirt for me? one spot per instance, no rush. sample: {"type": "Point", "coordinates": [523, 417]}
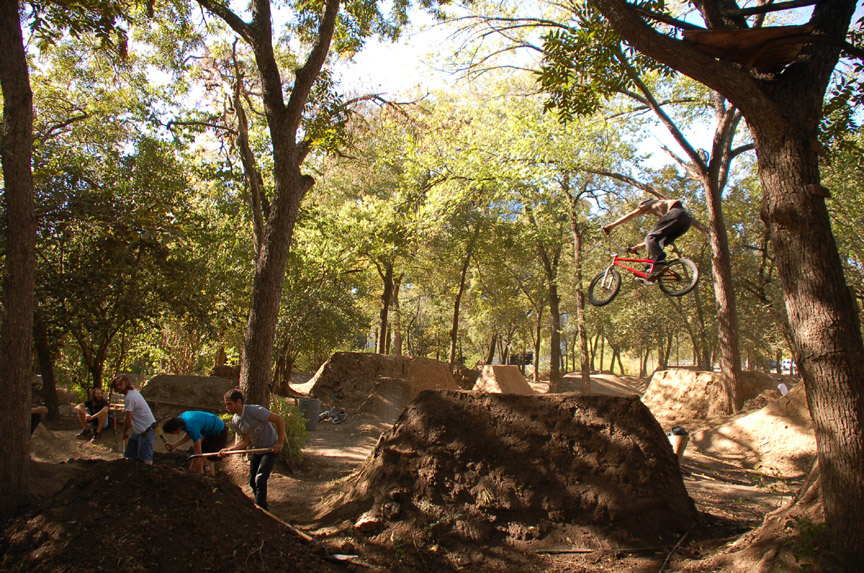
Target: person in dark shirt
{"type": "Point", "coordinates": [93, 415]}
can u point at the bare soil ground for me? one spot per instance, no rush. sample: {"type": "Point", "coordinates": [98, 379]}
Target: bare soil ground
{"type": "Point", "coordinates": [146, 510]}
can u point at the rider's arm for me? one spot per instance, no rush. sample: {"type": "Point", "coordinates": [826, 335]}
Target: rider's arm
{"type": "Point", "coordinates": [634, 248]}
{"type": "Point", "coordinates": [634, 213]}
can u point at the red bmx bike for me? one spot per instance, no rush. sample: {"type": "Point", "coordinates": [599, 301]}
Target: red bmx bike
{"type": "Point", "coordinates": [678, 277]}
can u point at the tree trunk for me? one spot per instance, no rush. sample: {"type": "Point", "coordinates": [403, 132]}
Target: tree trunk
{"type": "Point", "coordinates": [16, 333]}
{"type": "Point", "coordinates": [386, 274]}
{"type": "Point", "coordinates": [827, 335]}
{"type": "Point", "coordinates": [289, 184]}
{"type": "Point", "coordinates": [45, 356]}
{"type": "Point", "coordinates": [490, 356]}
{"type": "Point", "coordinates": [463, 272]}
{"type": "Point", "coordinates": [581, 328]}
{"type": "Point", "coordinates": [538, 330]}
{"type": "Point", "coordinates": [397, 318]}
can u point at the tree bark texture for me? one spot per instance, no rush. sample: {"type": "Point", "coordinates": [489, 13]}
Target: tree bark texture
{"type": "Point", "coordinates": [581, 328]}
{"type": "Point", "coordinates": [16, 335]}
{"type": "Point", "coordinates": [784, 116]}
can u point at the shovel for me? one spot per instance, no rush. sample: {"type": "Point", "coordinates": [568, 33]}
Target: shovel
{"type": "Point", "coordinates": [252, 451]}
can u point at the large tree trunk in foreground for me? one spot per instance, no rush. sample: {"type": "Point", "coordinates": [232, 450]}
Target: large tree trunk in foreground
{"type": "Point", "coordinates": [824, 326]}
{"type": "Point", "coordinates": [16, 335]}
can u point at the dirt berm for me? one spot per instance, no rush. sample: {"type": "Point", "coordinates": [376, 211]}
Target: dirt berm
{"type": "Point", "coordinates": [517, 472]}
{"type": "Point", "coordinates": [377, 384]}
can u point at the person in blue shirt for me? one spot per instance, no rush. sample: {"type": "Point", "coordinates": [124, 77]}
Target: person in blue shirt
{"type": "Point", "coordinates": [206, 431]}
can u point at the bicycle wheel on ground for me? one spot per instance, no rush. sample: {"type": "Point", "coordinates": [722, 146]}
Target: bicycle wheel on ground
{"type": "Point", "coordinates": [604, 287]}
{"type": "Point", "coordinates": [679, 277]}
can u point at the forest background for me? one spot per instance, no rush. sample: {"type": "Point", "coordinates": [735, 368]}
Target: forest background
{"type": "Point", "coordinates": [459, 224]}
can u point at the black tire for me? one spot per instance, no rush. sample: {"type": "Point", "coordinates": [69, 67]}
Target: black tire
{"type": "Point", "coordinates": [678, 277]}
{"type": "Point", "coordinates": [601, 292]}
{"type": "Point", "coordinates": [340, 417]}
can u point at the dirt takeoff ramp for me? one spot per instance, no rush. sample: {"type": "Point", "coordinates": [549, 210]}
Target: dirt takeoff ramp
{"type": "Point", "coordinates": [502, 380]}
{"type": "Point", "coordinates": [377, 384]}
{"type": "Point", "coordinates": [518, 472]}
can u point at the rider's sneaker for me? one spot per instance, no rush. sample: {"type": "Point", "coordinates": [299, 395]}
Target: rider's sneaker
{"type": "Point", "coordinates": [83, 433]}
{"type": "Point", "coordinates": [656, 271]}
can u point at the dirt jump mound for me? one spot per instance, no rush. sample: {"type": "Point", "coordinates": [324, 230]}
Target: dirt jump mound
{"type": "Point", "coordinates": [680, 396]}
{"type": "Point", "coordinates": [502, 380]}
{"type": "Point", "coordinates": [377, 384]}
{"type": "Point", "coordinates": [127, 516]}
{"type": "Point", "coordinates": [171, 395]}
{"type": "Point", "coordinates": [778, 438]}
{"type": "Point", "coordinates": [518, 472]}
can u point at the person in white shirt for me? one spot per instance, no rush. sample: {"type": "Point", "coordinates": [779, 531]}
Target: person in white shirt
{"type": "Point", "coordinates": [139, 418]}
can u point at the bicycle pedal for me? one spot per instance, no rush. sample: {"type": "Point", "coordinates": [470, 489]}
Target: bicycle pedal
{"type": "Point", "coordinates": [644, 281]}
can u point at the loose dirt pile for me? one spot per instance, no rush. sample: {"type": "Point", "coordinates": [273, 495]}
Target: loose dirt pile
{"type": "Point", "coordinates": [511, 472]}
{"type": "Point", "coordinates": [171, 395]}
{"type": "Point", "coordinates": [127, 516]}
{"type": "Point", "coordinates": [779, 438]}
{"type": "Point", "coordinates": [502, 380]}
{"type": "Point", "coordinates": [465, 377]}
{"type": "Point", "coordinates": [376, 384]}
{"type": "Point", "coordinates": [683, 397]}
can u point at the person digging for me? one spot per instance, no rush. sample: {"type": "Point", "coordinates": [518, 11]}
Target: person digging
{"type": "Point", "coordinates": [206, 431]}
{"type": "Point", "coordinates": [254, 426]}
{"type": "Point", "coordinates": [92, 415]}
{"type": "Point", "coordinates": [673, 222]}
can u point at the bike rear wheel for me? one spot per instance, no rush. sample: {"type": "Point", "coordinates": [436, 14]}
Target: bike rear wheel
{"type": "Point", "coordinates": [678, 277]}
{"type": "Point", "coordinates": [604, 287]}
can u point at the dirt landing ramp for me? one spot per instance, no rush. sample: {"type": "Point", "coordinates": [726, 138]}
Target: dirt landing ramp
{"type": "Point", "coordinates": [376, 384]}
{"type": "Point", "coordinates": [171, 395]}
{"type": "Point", "coordinates": [778, 438]}
{"type": "Point", "coordinates": [502, 380]}
{"type": "Point", "coordinates": [679, 396]}
{"type": "Point", "coordinates": [518, 472]}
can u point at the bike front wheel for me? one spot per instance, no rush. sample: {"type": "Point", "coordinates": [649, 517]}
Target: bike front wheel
{"type": "Point", "coordinates": [604, 287]}
{"type": "Point", "coordinates": [678, 277]}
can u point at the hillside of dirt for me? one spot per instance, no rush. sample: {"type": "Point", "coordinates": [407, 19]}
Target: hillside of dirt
{"type": "Point", "coordinates": [516, 473]}
{"type": "Point", "coordinates": [127, 516]}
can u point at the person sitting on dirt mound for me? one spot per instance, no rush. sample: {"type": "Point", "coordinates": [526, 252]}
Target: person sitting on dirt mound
{"type": "Point", "coordinates": [673, 222]}
{"type": "Point", "coordinates": [253, 427]}
{"type": "Point", "coordinates": [92, 415]}
{"type": "Point", "coordinates": [139, 418]}
{"type": "Point", "coordinates": [208, 434]}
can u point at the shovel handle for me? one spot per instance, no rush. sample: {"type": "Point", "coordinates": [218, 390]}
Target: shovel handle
{"type": "Point", "coordinates": [252, 451]}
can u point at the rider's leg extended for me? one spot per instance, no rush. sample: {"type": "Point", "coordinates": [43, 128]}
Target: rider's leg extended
{"type": "Point", "coordinates": [668, 228]}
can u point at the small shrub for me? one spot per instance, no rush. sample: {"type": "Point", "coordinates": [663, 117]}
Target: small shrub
{"type": "Point", "coordinates": [295, 429]}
